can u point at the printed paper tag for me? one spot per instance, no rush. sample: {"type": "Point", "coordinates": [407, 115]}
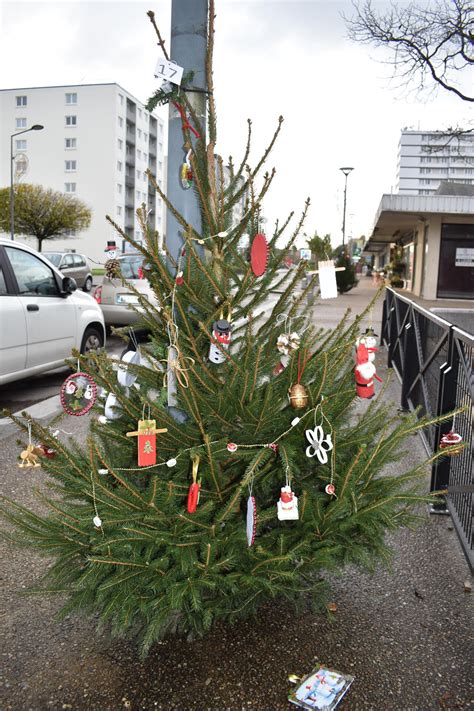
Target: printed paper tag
{"type": "Point", "coordinates": [168, 71]}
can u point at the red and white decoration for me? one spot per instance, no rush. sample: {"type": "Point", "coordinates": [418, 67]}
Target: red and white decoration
{"type": "Point", "coordinates": [78, 393]}
{"type": "Point", "coordinates": [287, 506]}
{"type": "Point", "coordinates": [364, 373]}
{"type": "Point", "coordinates": [251, 520]}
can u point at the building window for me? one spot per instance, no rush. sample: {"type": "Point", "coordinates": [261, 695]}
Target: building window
{"type": "Point", "coordinates": [138, 175]}
{"type": "Point", "coordinates": [145, 157]}
{"type": "Point", "coordinates": [119, 209]}
{"type": "Point", "coordinates": [70, 187]}
{"type": "Point", "coordinates": [139, 132]}
{"type": "Point", "coordinates": [137, 194]}
{"type": "Point", "coordinates": [139, 155]}
{"type": "Point", "coordinates": [145, 137]}
{"type": "Point", "coordinates": [160, 165]}
{"type": "Point", "coordinates": [119, 165]}
{"type": "Point", "coordinates": [20, 123]}
{"type": "Point", "coordinates": [70, 144]}
{"type": "Point", "coordinates": [119, 188]}
{"type": "Point", "coordinates": [71, 99]}
{"type": "Point", "coordinates": [20, 145]}
{"type": "Point", "coordinates": [160, 126]}
{"type": "Point", "coordinates": [120, 121]}
{"type": "Point", "coordinates": [120, 144]}
{"type": "Point", "coordinates": [120, 99]}
{"type": "Point", "coordinates": [139, 113]}
{"type": "Point", "coordinates": [160, 147]}
{"type": "Point", "coordinates": [71, 120]}
{"type": "Point", "coordinates": [70, 166]}
{"type": "Point", "coordinates": [21, 101]}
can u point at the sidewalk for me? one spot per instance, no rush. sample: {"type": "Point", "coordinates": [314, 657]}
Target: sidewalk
{"type": "Point", "coordinates": [403, 634]}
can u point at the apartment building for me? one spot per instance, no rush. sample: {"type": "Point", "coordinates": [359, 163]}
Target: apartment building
{"type": "Point", "coordinates": [97, 142]}
{"type": "Point", "coordinates": [425, 159]}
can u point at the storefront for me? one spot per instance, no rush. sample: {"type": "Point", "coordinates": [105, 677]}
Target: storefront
{"type": "Point", "coordinates": [435, 237]}
{"type": "Point", "coordinates": [456, 262]}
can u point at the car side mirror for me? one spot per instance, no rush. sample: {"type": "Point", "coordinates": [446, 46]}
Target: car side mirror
{"type": "Point", "coordinates": [69, 285]}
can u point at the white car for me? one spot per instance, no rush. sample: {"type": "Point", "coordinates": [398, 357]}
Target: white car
{"type": "Point", "coordinates": [42, 316]}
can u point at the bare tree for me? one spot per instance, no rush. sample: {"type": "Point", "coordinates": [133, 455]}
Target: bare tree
{"type": "Point", "coordinates": [431, 44]}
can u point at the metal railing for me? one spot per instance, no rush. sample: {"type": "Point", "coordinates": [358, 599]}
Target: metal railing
{"type": "Point", "coordinates": [434, 362]}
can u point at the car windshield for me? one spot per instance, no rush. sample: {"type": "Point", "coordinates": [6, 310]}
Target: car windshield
{"type": "Point", "coordinates": [130, 266]}
{"type": "Point", "coordinates": [54, 257]}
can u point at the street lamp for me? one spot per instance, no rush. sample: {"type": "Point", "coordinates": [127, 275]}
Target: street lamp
{"type": "Point", "coordinates": [36, 127]}
{"type": "Point", "coordinates": [346, 172]}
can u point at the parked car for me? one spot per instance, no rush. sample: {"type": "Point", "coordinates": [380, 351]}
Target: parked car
{"type": "Point", "coordinates": [116, 300]}
{"type": "Point", "coordinates": [42, 316]}
{"type": "Point", "coordinates": [72, 265]}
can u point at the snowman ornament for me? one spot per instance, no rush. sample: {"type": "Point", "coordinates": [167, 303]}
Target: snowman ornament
{"type": "Point", "coordinates": [369, 340]}
{"type": "Point", "coordinates": [221, 334]}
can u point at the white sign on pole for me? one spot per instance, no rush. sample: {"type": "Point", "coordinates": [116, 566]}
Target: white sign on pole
{"type": "Point", "coordinates": [305, 254]}
{"type": "Point", "coordinates": [464, 257]}
{"type": "Point", "coordinates": [168, 71]}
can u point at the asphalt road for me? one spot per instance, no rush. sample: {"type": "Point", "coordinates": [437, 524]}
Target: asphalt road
{"type": "Point", "coordinates": [24, 393]}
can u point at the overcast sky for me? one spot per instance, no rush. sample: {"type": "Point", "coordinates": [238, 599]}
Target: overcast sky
{"type": "Point", "coordinates": [271, 57]}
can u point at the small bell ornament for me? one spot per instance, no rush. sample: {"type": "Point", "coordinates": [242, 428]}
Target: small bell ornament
{"type": "Point", "coordinates": [287, 506]}
{"type": "Point", "coordinates": [298, 396]}
{"type": "Point", "coordinates": [221, 334]}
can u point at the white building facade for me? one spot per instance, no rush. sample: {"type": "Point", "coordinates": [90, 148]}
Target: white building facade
{"type": "Point", "coordinates": [97, 143]}
{"type": "Point", "coordinates": [427, 158]}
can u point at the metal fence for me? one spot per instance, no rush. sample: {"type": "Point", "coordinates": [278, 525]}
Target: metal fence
{"type": "Point", "coordinates": [434, 362]}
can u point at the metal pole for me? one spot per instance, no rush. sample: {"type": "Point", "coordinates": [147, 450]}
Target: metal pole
{"type": "Point", "coordinates": [344, 212]}
{"type": "Point", "coordinates": [12, 193]}
{"type": "Point", "coordinates": [36, 127]}
{"type": "Point", "coordinates": [188, 49]}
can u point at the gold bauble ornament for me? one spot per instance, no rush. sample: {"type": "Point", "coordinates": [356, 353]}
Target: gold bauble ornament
{"type": "Point", "coordinates": [298, 396]}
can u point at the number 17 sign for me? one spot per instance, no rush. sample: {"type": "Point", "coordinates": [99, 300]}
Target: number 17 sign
{"type": "Point", "coordinates": [168, 71]}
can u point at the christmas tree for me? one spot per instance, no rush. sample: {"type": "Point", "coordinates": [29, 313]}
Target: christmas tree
{"type": "Point", "coordinates": [249, 473]}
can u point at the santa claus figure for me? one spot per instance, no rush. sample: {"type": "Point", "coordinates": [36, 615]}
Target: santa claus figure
{"type": "Point", "coordinates": [364, 373]}
{"type": "Point", "coordinates": [287, 506]}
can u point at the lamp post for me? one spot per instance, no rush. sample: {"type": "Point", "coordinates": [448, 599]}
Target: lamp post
{"type": "Point", "coordinates": [346, 172]}
{"type": "Point", "coordinates": [36, 127]}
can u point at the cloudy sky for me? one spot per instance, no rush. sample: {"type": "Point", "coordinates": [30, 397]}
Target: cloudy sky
{"type": "Point", "coordinates": [271, 57]}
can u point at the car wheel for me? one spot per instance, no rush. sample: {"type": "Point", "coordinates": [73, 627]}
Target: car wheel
{"type": "Point", "coordinates": [87, 284]}
{"type": "Point", "coordinates": [92, 340]}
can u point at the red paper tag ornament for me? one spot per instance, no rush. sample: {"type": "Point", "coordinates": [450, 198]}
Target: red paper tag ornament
{"type": "Point", "coordinates": [146, 434]}
{"type": "Point", "coordinates": [259, 254]}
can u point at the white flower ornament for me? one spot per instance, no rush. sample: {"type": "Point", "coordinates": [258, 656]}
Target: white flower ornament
{"type": "Point", "coordinates": [319, 444]}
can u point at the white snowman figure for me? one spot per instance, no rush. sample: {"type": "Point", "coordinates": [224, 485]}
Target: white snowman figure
{"type": "Point", "coordinates": [221, 332]}
{"type": "Point", "coordinates": [111, 249]}
{"type": "Point", "coordinates": [88, 392]}
{"type": "Point", "coordinates": [369, 339]}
